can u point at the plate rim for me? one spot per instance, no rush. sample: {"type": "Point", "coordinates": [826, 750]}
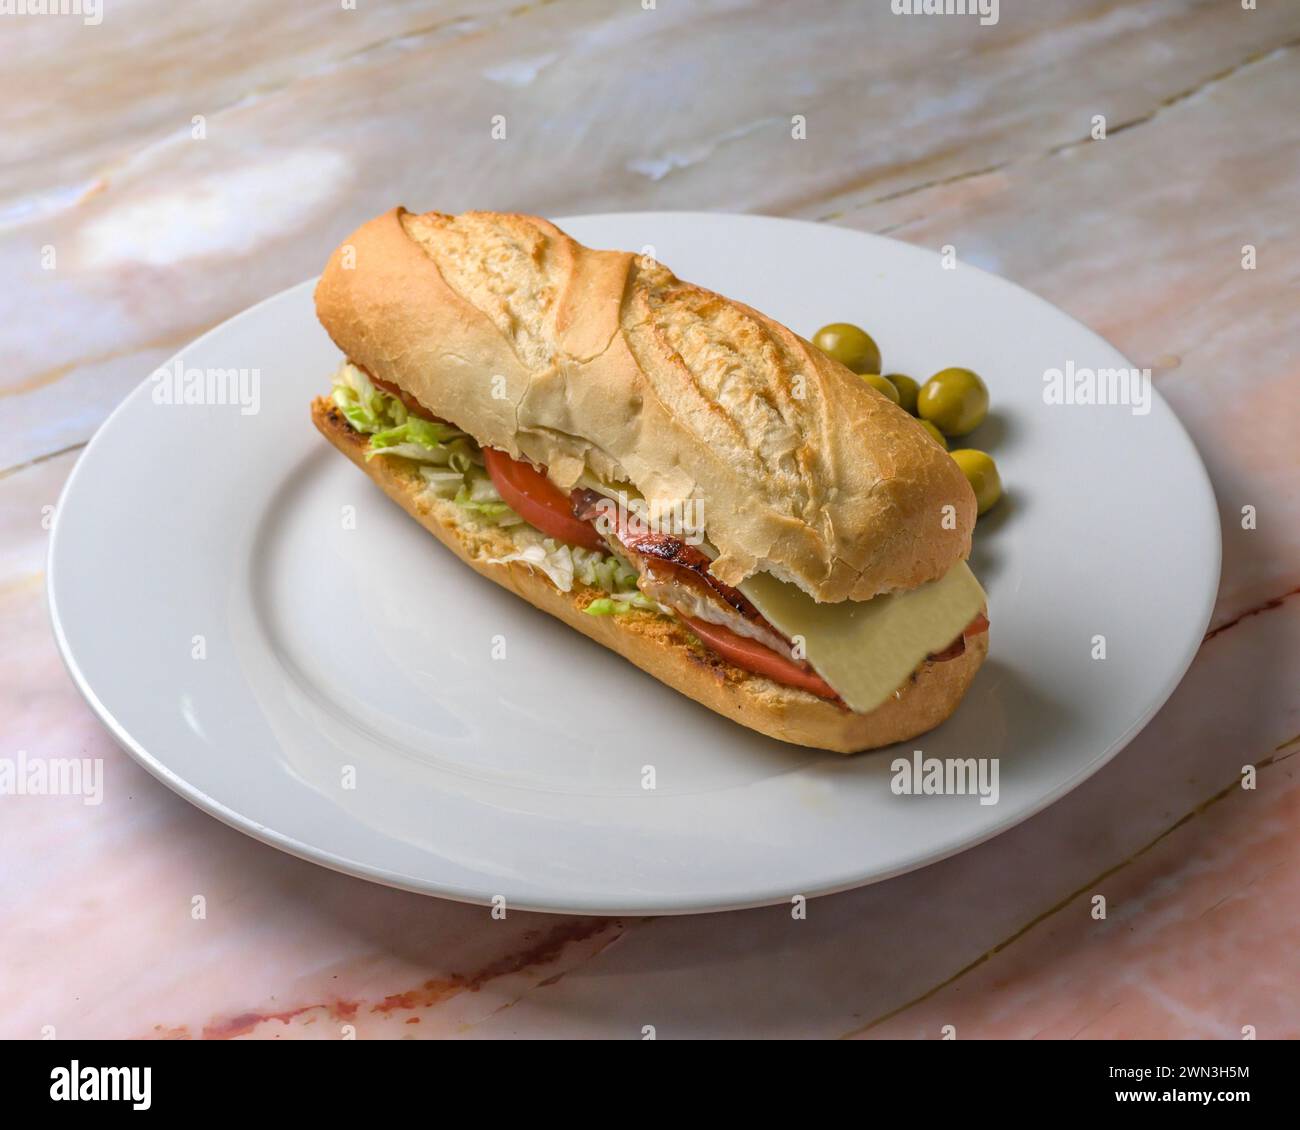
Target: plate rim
{"type": "Point", "coordinates": [681, 905]}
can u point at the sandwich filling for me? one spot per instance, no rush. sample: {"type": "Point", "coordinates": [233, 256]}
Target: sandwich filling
{"type": "Point", "coordinates": [856, 653]}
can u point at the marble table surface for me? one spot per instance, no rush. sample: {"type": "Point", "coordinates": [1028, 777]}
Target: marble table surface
{"type": "Point", "coordinates": [173, 163]}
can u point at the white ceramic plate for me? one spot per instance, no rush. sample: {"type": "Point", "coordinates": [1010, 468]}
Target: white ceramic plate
{"type": "Point", "coordinates": [363, 657]}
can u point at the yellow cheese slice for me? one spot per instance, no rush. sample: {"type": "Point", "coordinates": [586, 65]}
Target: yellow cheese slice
{"type": "Point", "coordinates": [866, 649]}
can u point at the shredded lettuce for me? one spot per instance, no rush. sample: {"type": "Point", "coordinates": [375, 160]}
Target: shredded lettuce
{"type": "Point", "coordinates": [564, 564]}
{"type": "Point", "coordinates": [393, 430]}
{"type": "Point", "coordinates": [603, 571]}
{"type": "Point", "coordinates": [637, 599]}
{"type": "Point", "coordinates": [478, 493]}
{"type": "Point", "coordinates": [367, 409]}
{"type": "Point", "coordinates": [443, 482]}
{"type": "Point", "coordinates": [621, 602]}
{"type": "Point", "coordinates": [451, 464]}
{"type": "Point", "coordinates": [424, 435]}
{"type": "Point", "coordinates": [450, 461]}
{"type": "Point", "coordinates": [465, 497]}
{"type": "Point", "coordinates": [544, 554]}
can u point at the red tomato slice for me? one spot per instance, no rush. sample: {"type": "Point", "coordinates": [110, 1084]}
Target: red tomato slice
{"type": "Point", "coordinates": [761, 660]}
{"type": "Point", "coordinates": [537, 500]}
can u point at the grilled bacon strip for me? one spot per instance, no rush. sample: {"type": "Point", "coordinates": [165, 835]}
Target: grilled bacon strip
{"type": "Point", "coordinates": [664, 559]}
{"type": "Point", "coordinates": [673, 551]}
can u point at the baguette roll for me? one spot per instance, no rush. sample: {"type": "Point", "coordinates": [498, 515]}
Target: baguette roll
{"type": "Point", "coordinates": [604, 369]}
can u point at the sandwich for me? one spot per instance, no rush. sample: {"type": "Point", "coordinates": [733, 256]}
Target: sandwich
{"type": "Point", "coordinates": [672, 473]}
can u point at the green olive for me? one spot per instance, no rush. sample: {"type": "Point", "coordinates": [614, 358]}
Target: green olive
{"type": "Point", "coordinates": [954, 400]}
{"type": "Point", "coordinates": [935, 433]}
{"type": "Point", "coordinates": [907, 390]}
{"type": "Point", "coordinates": [982, 474]}
{"type": "Point", "coordinates": [850, 346]}
{"type": "Point", "coordinates": [882, 385]}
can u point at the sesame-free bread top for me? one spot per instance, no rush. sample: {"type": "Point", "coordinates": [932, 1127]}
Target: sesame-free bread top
{"type": "Point", "coordinates": [605, 361]}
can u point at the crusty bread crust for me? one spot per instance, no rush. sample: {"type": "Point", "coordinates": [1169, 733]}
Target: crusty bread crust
{"type": "Point", "coordinates": [660, 645]}
{"type": "Point", "coordinates": [604, 360]}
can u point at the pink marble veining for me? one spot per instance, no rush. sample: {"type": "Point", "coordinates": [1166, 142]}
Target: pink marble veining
{"type": "Point", "coordinates": [946, 133]}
